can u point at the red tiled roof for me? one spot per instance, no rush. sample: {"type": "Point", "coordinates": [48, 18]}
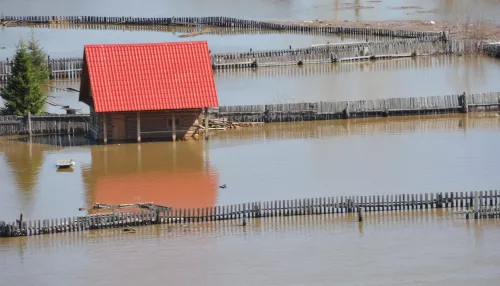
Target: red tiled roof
{"type": "Point", "coordinates": [134, 77]}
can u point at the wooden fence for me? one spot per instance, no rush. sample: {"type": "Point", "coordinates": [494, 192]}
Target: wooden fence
{"type": "Point", "coordinates": [216, 22]}
{"type": "Point", "coordinates": [354, 109]}
{"type": "Point", "coordinates": [44, 124]}
{"type": "Point", "coordinates": [311, 71]}
{"type": "Point", "coordinates": [361, 47]}
{"type": "Point", "coordinates": [285, 112]}
{"type": "Point", "coordinates": [481, 202]}
{"type": "Point", "coordinates": [331, 53]}
{"type": "Point", "coordinates": [185, 31]}
{"type": "Point", "coordinates": [62, 68]}
{"type": "Point", "coordinates": [492, 49]}
{"type": "Point", "coordinates": [71, 68]}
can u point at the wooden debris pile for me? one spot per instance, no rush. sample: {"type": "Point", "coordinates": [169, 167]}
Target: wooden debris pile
{"type": "Point", "coordinates": [149, 206]}
{"type": "Point", "coordinates": [195, 33]}
{"type": "Point", "coordinates": [221, 124]}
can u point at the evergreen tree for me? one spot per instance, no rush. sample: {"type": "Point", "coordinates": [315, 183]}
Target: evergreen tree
{"type": "Point", "coordinates": [38, 60]}
{"type": "Point", "coordinates": [22, 92]}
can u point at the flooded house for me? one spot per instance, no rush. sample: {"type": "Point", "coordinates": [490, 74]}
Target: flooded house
{"type": "Point", "coordinates": [147, 91]}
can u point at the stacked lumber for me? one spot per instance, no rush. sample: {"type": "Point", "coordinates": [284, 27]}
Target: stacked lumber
{"type": "Point", "coordinates": [149, 206]}
{"type": "Point", "coordinates": [222, 124]}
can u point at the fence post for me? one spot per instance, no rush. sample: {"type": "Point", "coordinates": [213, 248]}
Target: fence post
{"type": "Point", "coordinates": [349, 205]}
{"type": "Point", "coordinates": [244, 223]}
{"type": "Point", "coordinates": [465, 104]}
{"type": "Point", "coordinates": [158, 217]}
{"type": "Point", "coordinates": [475, 205]}
{"type": "Point", "coordinates": [345, 112]}
{"type": "Point", "coordinates": [439, 200]}
{"type": "Point", "coordinates": [206, 123]}
{"type": "Point", "coordinates": [361, 213]}
{"type": "Point", "coordinates": [20, 221]}
{"type": "Point", "coordinates": [257, 210]}
{"type": "Point", "coordinates": [49, 67]}
{"type": "Point", "coordinates": [2, 228]}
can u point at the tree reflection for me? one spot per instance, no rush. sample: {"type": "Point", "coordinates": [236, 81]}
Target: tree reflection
{"type": "Point", "coordinates": [25, 160]}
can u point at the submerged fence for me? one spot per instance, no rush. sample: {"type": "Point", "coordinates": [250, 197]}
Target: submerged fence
{"type": "Point", "coordinates": [492, 49]}
{"type": "Point", "coordinates": [71, 68]}
{"type": "Point", "coordinates": [416, 43]}
{"type": "Point", "coordinates": [352, 109]}
{"type": "Point", "coordinates": [62, 68]}
{"type": "Point", "coordinates": [44, 124]}
{"type": "Point", "coordinates": [285, 112]}
{"type": "Point", "coordinates": [193, 31]}
{"type": "Point", "coordinates": [483, 204]}
{"type": "Point", "coordinates": [217, 22]}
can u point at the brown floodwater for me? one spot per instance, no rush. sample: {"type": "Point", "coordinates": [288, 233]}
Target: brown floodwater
{"type": "Point", "coordinates": [423, 76]}
{"type": "Point", "coordinates": [353, 10]}
{"type": "Point", "coordinates": [64, 43]}
{"type": "Point", "coordinates": [397, 248]}
{"type": "Point", "coordinates": [270, 162]}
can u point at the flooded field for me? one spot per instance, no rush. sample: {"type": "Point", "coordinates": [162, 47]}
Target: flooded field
{"type": "Point", "coordinates": [353, 10]}
{"type": "Point", "coordinates": [419, 154]}
{"type": "Point", "coordinates": [423, 76]}
{"type": "Point", "coordinates": [273, 162]}
{"type": "Point", "coordinates": [410, 248]}
{"type": "Point", "coordinates": [60, 43]}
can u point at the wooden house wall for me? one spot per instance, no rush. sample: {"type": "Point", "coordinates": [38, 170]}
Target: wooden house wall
{"type": "Point", "coordinates": [94, 123]}
{"type": "Point", "coordinates": [154, 124]}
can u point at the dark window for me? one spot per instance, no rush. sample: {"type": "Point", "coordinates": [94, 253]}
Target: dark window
{"type": "Point", "coordinates": [170, 122]}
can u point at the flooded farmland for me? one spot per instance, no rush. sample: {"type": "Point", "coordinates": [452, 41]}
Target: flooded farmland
{"type": "Point", "coordinates": [423, 76]}
{"type": "Point", "coordinates": [354, 10]}
{"type": "Point", "coordinates": [69, 42]}
{"type": "Point", "coordinates": [273, 162]}
{"type": "Point", "coordinates": [278, 161]}
{"type": "Point", "coordinates": [411, 248]}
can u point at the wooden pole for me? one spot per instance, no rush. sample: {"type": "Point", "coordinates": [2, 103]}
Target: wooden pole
{"type": "Point", "coordinates": [206, 123]}
{"type": "Point", "coordinates": [244, 222]}
{"type": "Point", "coordinates": [174, 129]}
{"type": "Point", "coordinates": [200, 117]}
{"type": "Point", "coordinates": [2, 228]}
{"type": "Point", "coordinates": [361, 213]}
{"type": "Point", "coordinates": [138, 126]}
{"type": "Point", "coordinates": [104, 128]}
{"type": "Point", "coordinates": [29, 123]}
{"type": "Point", "coordinates": [475, 205]}
{"type": "Point", "coordinates": [465, 104]}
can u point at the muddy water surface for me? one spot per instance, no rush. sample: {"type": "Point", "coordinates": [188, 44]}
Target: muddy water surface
{"type": "Point", "coordinates": [61, 43]}
{"type": "Point", "coordinates": [353, 10]}
{"type": "Point", "coordinates": [336, 82]}
{"type": "Point", "coordinates": [414, 248]}
{"type": "Point", "coordinates": [273, 162]}
{"type": "Point", "coordinates": [277, 161]}
{"type": "Point", "coordinates": [424, 76]}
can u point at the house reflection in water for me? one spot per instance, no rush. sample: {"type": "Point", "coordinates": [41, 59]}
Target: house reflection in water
{"type": "Point", "coordinates": [170, 174]}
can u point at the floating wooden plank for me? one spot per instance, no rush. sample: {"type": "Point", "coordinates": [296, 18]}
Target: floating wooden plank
{"type": "Point", "coordinates": [65, 163]}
